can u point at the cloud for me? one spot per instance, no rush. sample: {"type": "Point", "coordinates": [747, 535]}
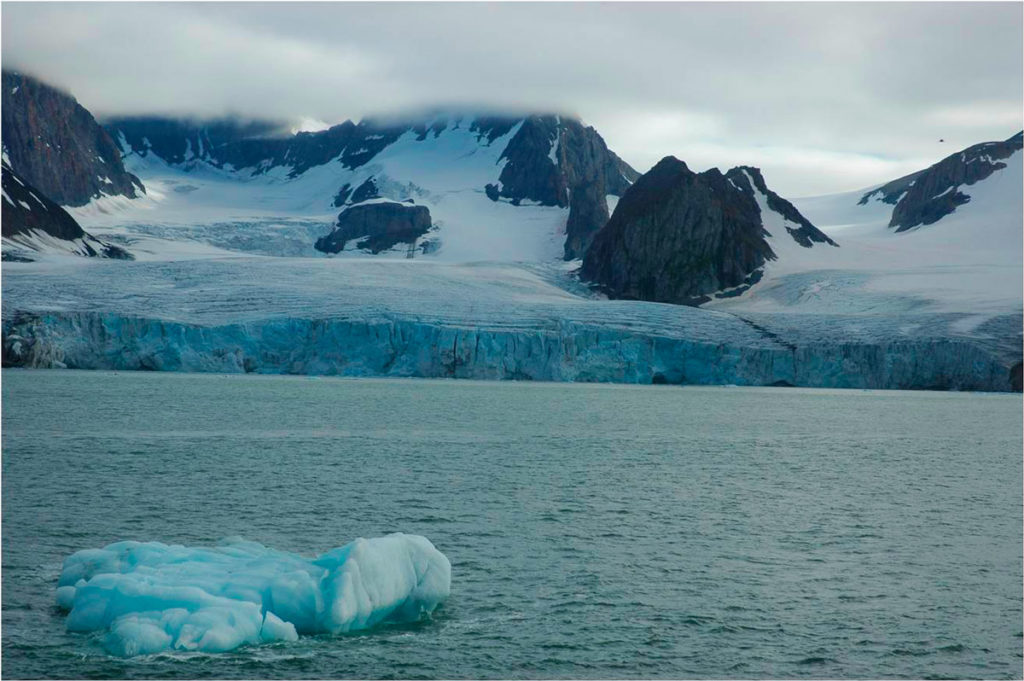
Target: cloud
{"type": "Point", "coordinates": [980, 114]}
{"type": "Point", "coordinates": [823, 95]}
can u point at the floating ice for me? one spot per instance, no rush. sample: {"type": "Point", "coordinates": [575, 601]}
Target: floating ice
{"type": "Point", "coordinates": [151, 597]}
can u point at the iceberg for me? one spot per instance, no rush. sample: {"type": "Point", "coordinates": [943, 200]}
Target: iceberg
{"type": "Point", "coordinates": [152, 597]}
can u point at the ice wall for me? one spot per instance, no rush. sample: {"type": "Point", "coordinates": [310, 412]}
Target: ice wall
{"type": "Point", "coordinates": [725, 350]}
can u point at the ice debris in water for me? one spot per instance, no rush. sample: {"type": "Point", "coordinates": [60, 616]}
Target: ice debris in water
{"type": "Point", "coordinates": [151, 597]}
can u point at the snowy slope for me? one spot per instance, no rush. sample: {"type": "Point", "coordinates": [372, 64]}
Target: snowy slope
{"type": "Point", "coordinates": [447, 172]}
{"type": "Point", "coordinates": [969, 261]}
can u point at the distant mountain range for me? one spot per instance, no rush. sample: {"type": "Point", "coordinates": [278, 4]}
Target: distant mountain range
{"type": "Point", "coordinates": [530, 217]}
{"type": "Point", "coordinates": [677, 236]}
{"type": "Point", "coordinates": [530, 161]}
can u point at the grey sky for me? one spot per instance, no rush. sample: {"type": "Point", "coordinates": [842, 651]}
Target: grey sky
{"type": "Point", "coordinates": [823, 96]}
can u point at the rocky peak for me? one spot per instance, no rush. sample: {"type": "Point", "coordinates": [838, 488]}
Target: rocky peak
{"type": "Point", "coordinates": [58, 147]}
{"type": "Point", "coordinates": [30, 221]}
{"type": "Point", "coordinates": [936, 192]}
{"type": "Point", "coordinates": [677, 236]}
{"type": "Point", "coordinates": [549, 156]}
{"type": "Point", "coordinates": [557, 161]}
{"type": "Point", "coordinates": [804, 233]}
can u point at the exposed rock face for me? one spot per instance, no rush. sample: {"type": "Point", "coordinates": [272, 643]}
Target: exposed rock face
{"type": "Point", "coordinates": [676, 236]}
{"type": "Point", "coordinates": [891, 192]}
{"type": "Point", "coordinates": [29, 217]}
{"type": "Point", "coordinates": [183, 141]}
{"type": "Point", "coordinates": [256, 146]}
{"type": "Point", "coordinates": [931, 194]}
{"type": "Point", "coordinates": [805, 233]}
{"type": "Point", "coordinates": [364, 192]}
{"type": "Point", "coordinates": [588, 213]}
{"type": "Point", "coordinates": [550, 156]}
{"type": "Point", "coordinates": [556, 161]}
{"type": "Point", "coordinates": [58, 147]}
{"type": "Point", "coordinates": [25, 208]}
{"type": "Point", "coordinates": [379, 226]}
{"type": "Point", "coordinates": [530, 172]}
{"type": "Point", "coordinates": [592, 172]}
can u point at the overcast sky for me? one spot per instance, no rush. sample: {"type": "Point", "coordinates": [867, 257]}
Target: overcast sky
{"type": "Point", "coordinates": [824, 97]}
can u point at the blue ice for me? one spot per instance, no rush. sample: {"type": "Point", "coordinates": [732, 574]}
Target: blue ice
{"type": "Point", "coordinates": [152, 597]}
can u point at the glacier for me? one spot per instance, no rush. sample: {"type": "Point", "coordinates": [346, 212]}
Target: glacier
{"type": "Point", "coordinates": [152, 597]}
{"type": "Point", "coordinates": [369, 317]}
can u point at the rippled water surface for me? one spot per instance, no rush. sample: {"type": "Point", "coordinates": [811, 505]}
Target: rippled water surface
{"type": "Point", "coordinates": [594, 530]}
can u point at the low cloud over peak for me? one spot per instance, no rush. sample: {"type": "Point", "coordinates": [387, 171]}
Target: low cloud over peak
{"type": "Point", "coordinates": [824, 97]}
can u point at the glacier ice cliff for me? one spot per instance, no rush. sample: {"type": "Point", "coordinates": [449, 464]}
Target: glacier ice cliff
{"type": "Point", "coordinates": [151, 597]}
{"type": "Point", "coordinates": [569, 351]}
{"type": "Point", "coordinates": [479, 321]}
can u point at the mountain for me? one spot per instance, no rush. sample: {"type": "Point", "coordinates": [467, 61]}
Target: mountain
{"type": "Point", "coordinates": [55, 144]}
{"type": "Point", "coordinates": [259, 250]}
{"type": "Point", "coordinates": [552, 171]}
{"type": "Point", "coordinates": [678, 236]}
{"type": "Point", "coordinates": [925, 197]}
{"type": "Point", "coordinates": [33, 222]}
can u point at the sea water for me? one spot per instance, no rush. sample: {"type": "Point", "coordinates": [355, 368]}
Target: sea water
{"type": "Point", "coordinates": [594, 531]}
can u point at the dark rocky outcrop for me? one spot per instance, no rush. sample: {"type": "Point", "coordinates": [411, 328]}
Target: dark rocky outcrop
{"type": "Point", "coordinates": [180, 141]}
{"type": "Point", "coordinates": [256, 146]}
{"type": "Point", "coordinates": [346, 196]}
{"type": "Point", "coordinates": [492, 127]}
{"type": "Point", "coordinates": [364, 192]}
{"type": "Point", "coordinates": [677, 236]}
{"type": "Point", "coordinates": [27, 214]}
{"type": "Point", "coordinates": [551, 156]}
{"type": "Point", "coordinates": [592, 172]}
{"type": "Point", "coordinates": [556, 161]}
{"type": "Point", "coordinates": [891, 192]}
{"type": "Point", "coordinates": [805, 233]}
{"type": "Point", "coordinates": [378, 226]}
{"type": "Point", "coordinates": [25, 208]}
{"type": "Point", "coordinates": [58, 147]}
{"type": "Point", "coordinates": [341, 198]}
{"type": "Point", "coordinates": [588, 213]}
{"type": "Point", "coordinates": [529, 172]}
{"type": "Point", "coordinates": [933, 193]}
